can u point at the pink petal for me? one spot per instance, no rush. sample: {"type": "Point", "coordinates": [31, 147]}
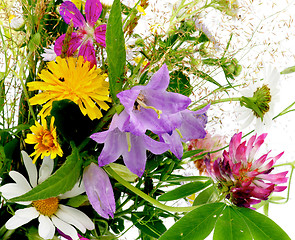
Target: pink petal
{"type": "Point", "coordinates": [100, 34]}
{"type": "Point", "coordinates": [70, 12]}
{"type": "Point", "coordinates": [93, 10]}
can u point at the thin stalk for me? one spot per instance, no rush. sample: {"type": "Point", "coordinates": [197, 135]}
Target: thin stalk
{"type": "Point", "coordinates": [217, 101]}
{"type": "Point", "coordinates": [145, 196]}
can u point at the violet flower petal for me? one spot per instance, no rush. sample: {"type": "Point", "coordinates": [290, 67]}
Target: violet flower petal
{"type": "Point", "coordinates": [114, 146]}
{"type": "Point", "coordinates": [70, 12]}
{"type": "Point", "coordinates": [99, 190]}
{"type": "Point", "coordinates": [93, 10]}
{"type": "Point", "coordinates": [174, 142]}
{"type": "Point", "coordinates": [100, 34]}
{"type": "Point", "coordinates": [160, 80]}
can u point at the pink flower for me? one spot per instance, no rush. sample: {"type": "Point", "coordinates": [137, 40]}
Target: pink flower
{"type": "Point", "coordinates": [86, 32]}
{"type": "Point", "coordinates": [208, 144]}
{"type": "Point", "coordinates": [242, 178]}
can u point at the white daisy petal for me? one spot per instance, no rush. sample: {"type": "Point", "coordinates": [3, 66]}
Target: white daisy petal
{"type": "Point", "coordinates": [20, 180]}
{"type": "Point", "coordinates": [31, 168]}
{"type": "Point", "coordinates": [80, 216]}
{"type": "Point", "coordinates": [21, 217]}
{"type": "Point", "coordinates": [45, 169]}
{"type": "Point", "coordinates": [65, 228]}
{"type": "Point", "coordinates": [11, 190]}
{"type": "Point", "coordinates": [76, 190]}
{"type": "Point", "coordinates": [46, 228]}
{"type": "Point", "coordinates": [66, 217]}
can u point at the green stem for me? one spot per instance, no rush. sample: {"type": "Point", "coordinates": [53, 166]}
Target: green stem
{"type": "Point", "coordinates": [145, 196]}
{"type": "Point", "coordinates": [217, 101]}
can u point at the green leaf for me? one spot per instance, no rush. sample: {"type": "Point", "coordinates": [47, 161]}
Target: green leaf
{"type": "Point", "coordinates": [184, 191]}
{"type": "Point", "coordinates": [207, 196]}
{"type": "Point", "coordinates": [231, 226]}
{"type": "Point", "coordinates": [34, 42]}
{"type": "Point", "coordinates": [288, 70]}
{"type": "Point", "coordinates": [77, 201]}
{"type": "Point", "coordinates": [185, 179]}
{"type": "Point", "coordinates": [60, 182]}
{"type": "Point", "coordinates": [123, 172]}
{"type": "Point", "coordinates": [262, 227]}
{"type": "Point", "coordinates": [195, 225]}
{"type": "Point", "coordinates": [191, 153]}
{"type": "Point", "coordinates": [180, 83]}
{"type": "Point", "coordinates": [206, 77]}
{"type": "Point", "coordinates": [148, 224]}
{"type": "Point", "coordinates": [115, 47]}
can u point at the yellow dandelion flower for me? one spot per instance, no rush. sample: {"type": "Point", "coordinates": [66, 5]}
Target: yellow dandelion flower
{"type": "Point", "coordinates": [72, 78]}
{"type": "Point", "coordinates": [45, 140]}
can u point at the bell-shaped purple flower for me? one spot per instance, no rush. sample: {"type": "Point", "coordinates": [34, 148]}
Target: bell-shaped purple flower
{"type": "Point", "coordinates": [131, 147]}
{"type": "Point", "coordinates": [150, 107]}
{"type": "Point", "coordinates": [192, 127]}
{"type": "Point", "coordinates": [86, 31]}
{"type": "Point", "coordinates": [99, 190]}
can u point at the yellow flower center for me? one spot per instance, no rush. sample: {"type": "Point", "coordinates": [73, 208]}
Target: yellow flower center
{"type": "Point", "coordinates": [47, 140]}
{"type": "Point", "coordinates": [47, 206]}
{"type": "Point", "coordinates": [262, 99]}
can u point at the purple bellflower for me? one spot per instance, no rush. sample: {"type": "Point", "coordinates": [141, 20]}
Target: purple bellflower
{"type": "Point", "coordinates": [133, 148]}
{"type": "Point", "coordinates": [86, 31]}
{"type": "Point", "coordinates": [242, 178]}
{"type": "Point", "coordinates": [151, 107]}
{"type": "Point", "coordinates": [192, 127]}
{"type": "Point", "coordinates": [99, 190]}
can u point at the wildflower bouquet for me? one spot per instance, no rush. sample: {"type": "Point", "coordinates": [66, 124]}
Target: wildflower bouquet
{"type": "Point", "coordinates": [103, 121]}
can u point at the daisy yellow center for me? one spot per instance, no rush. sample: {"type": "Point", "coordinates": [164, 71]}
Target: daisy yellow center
{"type": "Point", "coordinates": [47, 206]}
{"type": "Point", "coordinates": [47, 140]}
{"type": "Point", "coordinates": [262, 99]}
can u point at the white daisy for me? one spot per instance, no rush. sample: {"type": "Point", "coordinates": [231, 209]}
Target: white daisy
{"type": "Point", "coordinates": [49, 54]}
{"type": "Point", "coordinates": [265, 94]}
{"type": "Point", "coordinates": [49, 212]}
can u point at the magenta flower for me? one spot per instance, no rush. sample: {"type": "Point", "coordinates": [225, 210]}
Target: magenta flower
{"type": "Point", "coordinates": [151, 107]}
{"type": "Point", "coordinates": [99, 190]}
{"type": "Point", "coordinates": [131, 147]}
{"type": "Point", "coordinates": [86, 31]}
{"type": "Point", "coordinates": [69, 238]}
{"type": "Point", "coordinates": [241, 177]}
{"type": "Point", "coordinates": [191, 127]}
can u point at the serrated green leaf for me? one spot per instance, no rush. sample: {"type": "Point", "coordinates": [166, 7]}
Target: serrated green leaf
{"type": "Point", "coordinates": [288, 70]}
{"type": "Point", "coordinates": [184, 191]}
{"type": "Point", "coordinates": [60, 182]}
{"type": "Point", "coordinates": [262, 227]}
{"type": "Point", "coordinates": [195, 225]}
{"type": "Point", "coordinates": [115, 47]}
{"type": "Point", "coordinates": [231, 226]}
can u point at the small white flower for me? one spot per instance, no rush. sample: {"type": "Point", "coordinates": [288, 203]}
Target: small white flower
{"type": "Point", "coordinates": [107, 3]}
{"type": "Point", "coordinates": [49, 54]}
{"type": "Point", "coordinates": [49, 212]}
{"type": "Point", "coordinates": [16, 22]}
{"type": "Point", "coordinates": [267, 93]}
